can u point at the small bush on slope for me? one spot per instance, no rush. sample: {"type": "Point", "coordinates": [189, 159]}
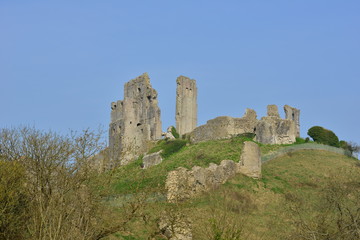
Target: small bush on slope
{"type": "Point", "coordinates": [168, 147]}
{"type": "Point", "coordinates": [324, 136]}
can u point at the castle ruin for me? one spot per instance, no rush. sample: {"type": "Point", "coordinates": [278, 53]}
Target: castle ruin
{"type": "Point", "coordinates": [274, 130]}
{"type": "Point", "coordinates": [294, 115]}
{"type": "Point", "coordinates": [135, 121]}
{"type": "Point", "coordinates": [186, 105]}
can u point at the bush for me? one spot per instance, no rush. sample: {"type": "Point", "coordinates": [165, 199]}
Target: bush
{"type": "Point", "coordinates": [246, 136]}
{"type": "Point", "coordinates": [168, 147]}
{"type": "Point", "coordinates": [171, 147]}
{"type": "Point", "coordinates": [324, 136]}
{"type": "Point", "coordinates": [350, 147]}
{"type": "Point", "coordinates": [174, 132]}
{"type": "Point", "coordinates": [300, 140]}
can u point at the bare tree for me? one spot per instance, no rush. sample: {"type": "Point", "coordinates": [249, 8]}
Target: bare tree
{"type": "Point", "coordinates": [335, 217]}
{"type": "Point", "coordinates": [63, 204]}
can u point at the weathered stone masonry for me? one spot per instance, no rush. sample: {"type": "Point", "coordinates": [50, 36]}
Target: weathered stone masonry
{"type": "Point", "coordinates": [269, 130]}
{"type": "Point", "coordinates": [294, 115]}
{"type": "Point", "coordinates": [134, 121]}
{"type": "Point", "coordinates": [186, 105]}
{"type": "Point", "coordinates": [274, 130]}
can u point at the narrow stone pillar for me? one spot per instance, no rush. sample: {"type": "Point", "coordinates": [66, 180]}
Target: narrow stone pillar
{"type": "Point", "coordinates": [294, 115]}
{"type": "Point", "coordinates": [186, 105]}
{"type": "Point", "coordinates": [250, 160]}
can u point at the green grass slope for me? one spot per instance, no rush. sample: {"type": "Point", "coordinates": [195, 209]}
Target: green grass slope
{"type": "Point", "coordinates": [289, 200]}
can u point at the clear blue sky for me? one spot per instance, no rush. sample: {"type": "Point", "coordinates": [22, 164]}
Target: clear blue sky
{"type": "Point", "coordinates": [63, 62]}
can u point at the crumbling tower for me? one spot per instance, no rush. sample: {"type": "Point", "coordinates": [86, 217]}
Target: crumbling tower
{"type": "Point", "coordinates": [293, 114]}
{"type": "Point", "coordinates": [134, 121]}
{"type": "Point", "coordinates": [274, 130]}
{"type": "Point", "coordinates": [186, 105]}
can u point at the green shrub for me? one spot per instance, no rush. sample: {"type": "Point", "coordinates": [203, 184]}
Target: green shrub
{"type": "Point", "coordinates": [246, 136]}
{"type": "Point", "coordinates": [349, 147]}
{"type": "Point", "coordinates": [300, 140]}
{"type": "Point", "coordinates": [343, 144]}
{"type": "Point", "coordinates": [174, 132]}
{"type": "Point", "coordinates": [324, 136]}
{"type": "Point", "coordinates": [171, 147]}
{"type": "Point", "coordinates": [168, 147]}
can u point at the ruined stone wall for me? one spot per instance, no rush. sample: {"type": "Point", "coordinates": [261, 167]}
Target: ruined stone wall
{"type": "Point", "coordinates": [274, 130]}
{"type": "Point", "coordinates": [183, 184]}
{"type": "Point", "coordinates": [294, 115]}
{"type": "Point", "coordinates": [134, 121]}
{"type": "Point", "coordinates": [269, 130]}
{"type": "Point", "coordinates": [225, 127]}
{"type": "Point", "coordinates": [186, 105]}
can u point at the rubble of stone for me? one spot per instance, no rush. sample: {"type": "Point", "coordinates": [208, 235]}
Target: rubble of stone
{"type": "Point", "coordinates": [186, 105]}
{"type": "Point", "coordinates": [168, 134]}
{"type": "Point", "coordinates": [182, 184]}
{"type": "Point", "coordinates": [250, 160]}
{"type": "Point", "coordinates": [152, 159]}
{"type": "Point", "coordinates": [225, 127]}
{"type": "Point", "coordinates": [134, 121]}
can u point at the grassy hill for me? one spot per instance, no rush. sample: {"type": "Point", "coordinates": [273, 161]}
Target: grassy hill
{"type": "Point", "coordinates": [306, 194]}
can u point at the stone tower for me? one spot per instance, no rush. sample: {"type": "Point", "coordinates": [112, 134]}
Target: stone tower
{"type": "Point", "coordinates": [134, 121]}
{"type": "Point", "coordinates": [186, 105]}
{"type": "Point", "coordinates": [293, 114]}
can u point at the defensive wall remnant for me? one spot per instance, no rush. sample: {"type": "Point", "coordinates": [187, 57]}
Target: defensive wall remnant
{"type": "Point", "coordinates": [183, 184]}
{"type": "Point", "coordinates": [134, 121]}
{"type": "Point", "coordinates": [250, 160]}
{"type": "Point", "coordinates": [294, 115]}
{"type": "Point", "coordinates": [186, 105]}
{"type": "Point", "coordinates": [269, 130]}
{"type": "Point", "coordinates": [225, 127]}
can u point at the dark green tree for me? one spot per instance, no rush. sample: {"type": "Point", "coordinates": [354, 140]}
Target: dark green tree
{"type": "Point", "coordinates": [324, 136]}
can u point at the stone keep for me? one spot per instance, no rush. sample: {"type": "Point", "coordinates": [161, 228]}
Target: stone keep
{"type": "Point", "coordinates": [294, 115]}
{"type": "Point", "coordinates": [134, 121]}
{"type": "Point", "coordinates": [186, 105]}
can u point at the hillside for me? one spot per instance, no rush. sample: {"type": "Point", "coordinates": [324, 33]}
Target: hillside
{"type": "Point", "coordinates": [294, 199]}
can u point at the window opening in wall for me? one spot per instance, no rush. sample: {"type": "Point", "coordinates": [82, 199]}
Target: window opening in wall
{"type": "Point", "coordinates": [139, 89]}
{"type": "Point", "coordinates": [139, 124]}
